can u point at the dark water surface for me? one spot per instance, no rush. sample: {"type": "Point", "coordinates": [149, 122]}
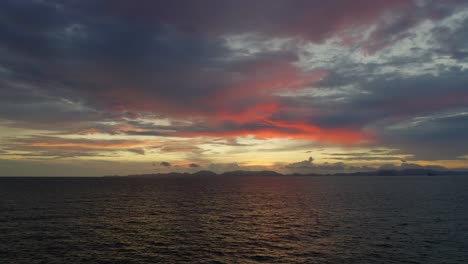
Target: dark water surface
{"type": "Point", "coordinates": [234, 220]}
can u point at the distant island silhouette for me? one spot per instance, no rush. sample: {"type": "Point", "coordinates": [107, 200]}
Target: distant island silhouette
{"type": "Point", "coordinates": [405, 172]}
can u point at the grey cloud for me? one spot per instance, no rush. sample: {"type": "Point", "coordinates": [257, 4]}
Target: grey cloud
{"type": "Point", "coordinates": [436, 139]}
{"type": "Point", "coordinates": [57, 148]}
{"type": "Point", "coordinates": [372, 155]}
{"type": "Point", "coordinates": [452, 41]}
{"type": "Point", "coordinates": [367, 158]}
{"type": "Point", "coordinates": [397, 96]}
{"type": "Point", "coordinates": [405, 166]}
{"type": "Point", "coordinates": [182, 147]}
{"type": "Point", "coordinates": [308, 166]}
{"type": "Point", "coordinates": [305, 164]}
{"type": "Point", "coordinates": [165, 164]}
{"type": "Point", "coordinates": [63, 167]}
{"type": "Point", "coordinates": [137, 151]}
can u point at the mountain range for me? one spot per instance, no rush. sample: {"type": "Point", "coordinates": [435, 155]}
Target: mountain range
{"type": "Point", "coordinates": [405, 172]}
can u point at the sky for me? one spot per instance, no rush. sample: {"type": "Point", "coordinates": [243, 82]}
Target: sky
{"type": "Point", "coordinates": [101, 87]}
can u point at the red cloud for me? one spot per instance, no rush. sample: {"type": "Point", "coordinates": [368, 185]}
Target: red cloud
{"type": "Point", "coordinates": [249, 104]}
{"type": "Point", "coordinates": [257, 112]}
{"type": "Point", "coordinates": [300, 131]}
{"type": "Point", "coordinates": [265, 79]}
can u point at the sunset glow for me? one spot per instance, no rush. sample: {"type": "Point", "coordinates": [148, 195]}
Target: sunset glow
{"type": "Point", "coordinates": [121, 87]}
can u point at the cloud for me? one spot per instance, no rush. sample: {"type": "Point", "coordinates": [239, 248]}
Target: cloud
{"type": "Point", "coordinates": [310, 19]}
{"type": "Point", "coordinates": [176, 66]}
{"type": "Point", "coordinates": [64, 167]}
{"type": "Point", "coordinates": [338, 73]}
{"type": "Point", "coordinates": [431, 137]}
{"type": "Point", "coordinates": [194, 165]}
{"type": "Point", "coordinates": [154, 71]}
{"type": "Point", "coordinates": [305, 164]}
{"type": "Point", "coordinates": [308, 166]}
{"type": "Point", "coordinates": [137, 151]}
{"type": "Point", "coordinates": [57, 147]}
{"type": "Point", "coordinates": [409, 166]}
{"type": "Point", "coordinates": [165, 164]}
{"type": "Point", "coordinates": [370, 155]}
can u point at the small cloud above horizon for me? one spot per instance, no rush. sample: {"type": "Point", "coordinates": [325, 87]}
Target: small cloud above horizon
{"type": "Point", "coordinates": [165, 164]}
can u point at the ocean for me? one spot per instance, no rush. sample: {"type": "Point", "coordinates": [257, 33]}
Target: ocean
{"type": "Point", "coordinates": [398, 219]}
